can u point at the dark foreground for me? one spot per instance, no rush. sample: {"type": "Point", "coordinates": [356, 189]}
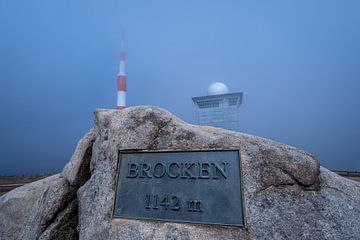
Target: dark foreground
{"type": "Point", "coordinates": [8, 183]}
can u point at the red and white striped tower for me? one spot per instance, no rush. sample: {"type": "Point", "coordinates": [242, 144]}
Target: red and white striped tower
{"type": "Point", "coordinates": [121, 79]}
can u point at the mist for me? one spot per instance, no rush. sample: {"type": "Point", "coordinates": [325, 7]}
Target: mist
{"type": "Point", "coordinates": [297, 63]}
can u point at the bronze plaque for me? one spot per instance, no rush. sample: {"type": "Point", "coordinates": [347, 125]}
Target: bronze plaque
{"type": "Point", "coordinates": [188, 186]}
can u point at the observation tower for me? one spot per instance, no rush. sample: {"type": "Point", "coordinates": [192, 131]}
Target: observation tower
{"type": "Point", "coordinates": [219, 108]}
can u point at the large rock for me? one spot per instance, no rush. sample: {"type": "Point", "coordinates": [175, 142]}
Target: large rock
{"type": "Point", "coordinates": [287, 195]}
{"type": "Point", "coordinates": [16, 205]}
{"type": "Point", "coordinates": [48, 208]}
{"type": "Point", "coordinates": [51, 210]}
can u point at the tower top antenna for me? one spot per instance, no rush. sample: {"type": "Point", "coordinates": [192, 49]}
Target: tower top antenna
{"type": "Point", "coordinates": [122, 39]}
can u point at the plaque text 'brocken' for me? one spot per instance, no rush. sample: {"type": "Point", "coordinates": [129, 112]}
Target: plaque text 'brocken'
{"type": "Point", "coordinates": [211, 170]}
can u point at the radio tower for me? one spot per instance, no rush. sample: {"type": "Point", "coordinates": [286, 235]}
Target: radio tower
{"type": "Point", "coordinates": [121, 79]}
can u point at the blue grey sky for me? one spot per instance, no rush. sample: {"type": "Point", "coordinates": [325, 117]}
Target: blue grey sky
{"type": "Point", "coordinates": [297, 62]}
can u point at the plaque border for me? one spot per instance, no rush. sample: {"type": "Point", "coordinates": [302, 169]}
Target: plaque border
{"type": "Point", "coordinates": [118, 165]}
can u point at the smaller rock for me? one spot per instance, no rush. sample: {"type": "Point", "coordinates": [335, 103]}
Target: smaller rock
{"type": "Point", "coordinates": [64, 226]}
{"type": "Point", "coordinates": [55, 198]}
{"type": "Point", "coordinates": [77, 171]}
{"type": "Point", "coordinates": [16, 205]}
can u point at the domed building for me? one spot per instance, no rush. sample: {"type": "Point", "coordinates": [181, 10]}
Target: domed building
{"type": "Point", "coordinates": [218, 88]}
{"type": "Point", "coordinates": [219, 108]}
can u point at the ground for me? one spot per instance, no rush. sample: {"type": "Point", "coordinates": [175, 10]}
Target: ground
{"type": "Point", "coordinates": [350, 175]}
{"type": "Point", "coordinates": [7, 183]}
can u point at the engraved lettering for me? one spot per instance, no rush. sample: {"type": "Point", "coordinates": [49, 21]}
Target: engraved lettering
{"type": "Point", "coordinates": [204, 170]}
{"type": "Point", "coordinates": [165, 202]}
{"type": "Point", "coordinates": [185, 170]}
{"type": "Point", "coordinates": [162, 168]}
{"type": "Point", "coordinates": [156, 202]}
{"type": "Point", "coordinates": [194, 206]}
{"type": "Point", "coordinates": [170, 168]}
{"type": "Point", "coordinates": [201, 170]}
{"type": "Point", "coordinates": [132, 170]}
{"type": "Point", "coordinates": [172, 203]}
{"type": "Point", "coordinates": [144, 169]}
{"type": "Point", "coordinates": [176, 205]}
{"type": "Point", "coordinates": [147, 206]}
{"type": "Point", "coordinates": [217, 168]}
{"type": "Point", "coordinates": [195, 186]}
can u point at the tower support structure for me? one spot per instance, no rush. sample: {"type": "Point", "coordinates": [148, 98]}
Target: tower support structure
{"type": "Point", "coordinates": [121, 80]}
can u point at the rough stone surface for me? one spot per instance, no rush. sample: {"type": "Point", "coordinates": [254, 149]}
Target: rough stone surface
{"type": "Point", "coordinates": [15, 206]}
{"type": "Point", "coordinates": [55, 215]}
{"type": "Point", "coordinates": [51, 203]}
{"type": "Point", "coordinates": [287, 195]}
{"type": "Point", "coordinates": [77, 171]}
{"type": "Point", "coordinates": [64, 225]}
{"type": "Point", "coordinates": [48, 209]}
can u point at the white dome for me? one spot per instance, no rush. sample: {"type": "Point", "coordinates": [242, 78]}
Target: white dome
{"type": "Point", "coordinates": [217, 89]}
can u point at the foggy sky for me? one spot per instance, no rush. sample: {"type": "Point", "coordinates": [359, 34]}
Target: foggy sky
{"type": "Point", "coordinates": [298, 64]}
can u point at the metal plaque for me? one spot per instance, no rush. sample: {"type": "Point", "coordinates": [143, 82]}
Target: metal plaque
{"type": "Point", "coordinates": [191, 186]}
